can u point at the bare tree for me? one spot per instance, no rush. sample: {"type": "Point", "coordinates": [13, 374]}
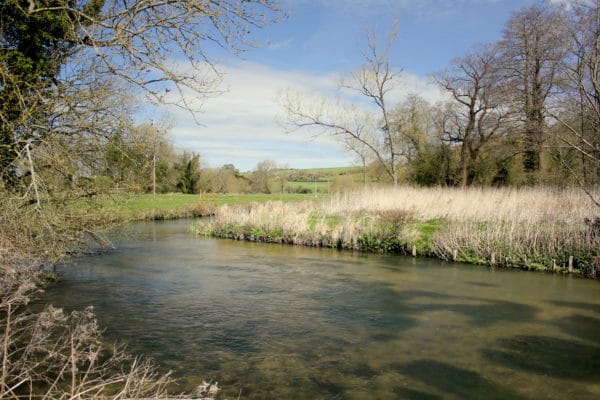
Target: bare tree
{"type": "Point", "coordinates": [263, 176]}
{"type": "Point", "coordinates": [362, 154]}
{"type": "Point", "coordinates": [476, 114]}
{"type": "Point", "coordinates": [577, 109]}
{"type": "Point", "coordinates": [372, 127]}
{"type": "Point", "coordinates": [531, 55]}
{"type": "Point", "coordinates": [413, 120]}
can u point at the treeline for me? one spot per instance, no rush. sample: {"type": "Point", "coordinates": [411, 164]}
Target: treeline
{"type": "Point", "coordinates": [71, 76]}
{"type": "Point", "coordinates": [148, 163]}
{"type": "Point", "coordinates": [524, 110]}
{"type": "Point", "coordinates": [141, 159]}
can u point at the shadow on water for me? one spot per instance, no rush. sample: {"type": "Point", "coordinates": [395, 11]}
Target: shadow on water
{"type": "Point", "coordinates": [410, 394]}
{"type": "Point", "coordinates": [360, 370]}
{"type": "Point", "coordinates": [388, 312]}
{"type": "Point", "coordinates": [550, 356]}
{"type": "Point", "coordinates": [324, 385]}
{"type": "Point", "coordinates": [488, 313]}
{"type": "Point", "coordinates": [453, 380]}
{"type": "Point", "coordinates": [239, 340]}
{"type": "Point", "coordinates": [582, 327]}
{"type": "Point", "coordinates": [577, 305]}
{"type": "Point", "coordinates": [383, 306]}
{"type": "Point", "coordinates": [482, 284]}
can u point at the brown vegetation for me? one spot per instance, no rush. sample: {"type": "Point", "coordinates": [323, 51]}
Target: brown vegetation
{"type": "Point", "coordinates": [531, 228]}
{"type": "Point", "coordinates": [54, 355]}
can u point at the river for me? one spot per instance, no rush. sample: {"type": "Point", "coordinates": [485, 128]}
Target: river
{"type": "Point", "coordinates": [281, 322]}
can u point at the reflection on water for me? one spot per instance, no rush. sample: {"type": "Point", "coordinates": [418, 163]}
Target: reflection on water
{"type": "Point", "coordinates": [279, 322]}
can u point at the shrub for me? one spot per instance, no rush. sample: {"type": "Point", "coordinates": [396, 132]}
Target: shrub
{"type": "Point", "coordinates": [51, 354]}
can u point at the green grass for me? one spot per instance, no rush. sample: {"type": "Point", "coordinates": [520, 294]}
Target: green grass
{"type": "Point", "coordinates": [427, 230]}
{"type": "Point", "coordinates": [172, 206]}
{"type": "Point", "coordinates": [320, 180]}
{"type": "Point", "coordinates": [331, 220]}
{"type": "Point", "coordinates": [146, 202]}
{"type": "Point", "coordinates": [324, 171]}
{"type": "Point", "coordinates": [320, 186]}
{"type": "Point", "coordinates": [334, 170]}
{"type": "Point", "coordinates": [235, 199]}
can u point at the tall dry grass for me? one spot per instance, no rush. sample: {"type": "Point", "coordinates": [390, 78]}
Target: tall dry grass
{"type": "Point", "coordinates": [536, 228]}
{"type": "Point", "coordinates": [520, 205]}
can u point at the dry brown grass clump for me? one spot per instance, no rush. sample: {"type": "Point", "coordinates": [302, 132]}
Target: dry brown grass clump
{"type": "Point", "coordinates": [54, 355]}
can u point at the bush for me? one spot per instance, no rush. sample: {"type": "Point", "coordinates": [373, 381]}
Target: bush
{"type": "Point", "coordinates": [55, 355]}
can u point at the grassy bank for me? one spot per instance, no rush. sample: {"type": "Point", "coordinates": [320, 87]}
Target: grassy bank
{"type": "Point", "coordinates": [535, 229]}
{"type": "Point", "coordinates": [125, 207]}
{"type": "Point", "coordinates": [66, 226]}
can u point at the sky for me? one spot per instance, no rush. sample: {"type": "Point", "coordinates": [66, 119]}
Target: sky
{"type": "Point", "coordinates": [307, 52]}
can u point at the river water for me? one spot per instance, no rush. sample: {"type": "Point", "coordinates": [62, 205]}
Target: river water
{"type": "Point", "coordinates": [282, 322]}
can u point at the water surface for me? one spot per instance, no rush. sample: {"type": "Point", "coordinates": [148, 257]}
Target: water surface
{"type": "Point", "coordinates": [282, 322]}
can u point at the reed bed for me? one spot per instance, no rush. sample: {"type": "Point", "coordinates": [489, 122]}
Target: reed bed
{"type": "Point", "coordinates": [531, 228]}
{"type": "Point", "coordinates": [529, 205]}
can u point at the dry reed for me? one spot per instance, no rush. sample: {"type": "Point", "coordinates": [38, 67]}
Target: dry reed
{"type": "Point", "coordinates": [522, 205]}
{"type": "Point", "coordinates": [535, 228]}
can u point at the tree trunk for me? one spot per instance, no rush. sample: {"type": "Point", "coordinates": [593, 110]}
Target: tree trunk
{"type": "Point", "coordinates": [464, 165]}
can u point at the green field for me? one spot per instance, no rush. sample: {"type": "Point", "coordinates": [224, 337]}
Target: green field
{"type": "Point", "coordinates": [169, 206]}
{"type": "Point", "coordinates": [322, 180]}
{"type": "Point", "coordinates": [323, 174]}
{"type": "Point", "coordinates": [302, 184]}
{"type": "Point", "coordinates": [328, 171]}
{"type": "Point", "coordinates": [318, 186]}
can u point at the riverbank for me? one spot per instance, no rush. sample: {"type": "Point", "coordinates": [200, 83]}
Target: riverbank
{"type": "Point", "coordinates": [146, 207]}
{"type": "Point", "coordinates": [534, 228]}
{"type": "Point", "coordinates": [236, 312]}
{"type": "Point", "coordinates": [34, 236]}
{"type": "Point", "coordinates": [44, 351]}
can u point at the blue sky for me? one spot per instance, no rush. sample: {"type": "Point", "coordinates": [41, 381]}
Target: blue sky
{"type": "Point", "coordinates": [307, 52]}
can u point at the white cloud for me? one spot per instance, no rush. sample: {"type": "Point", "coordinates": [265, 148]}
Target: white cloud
{"type": "Point", "coordinates": [422, 86]}
{"type": "Point", "coordinates": [280, 45]}
{"type": "Point", "coordinates": [240, 128]}
{"type": "Point", "coordinates": [429, 9]}
{"type": "Point", "coordinates": [567, 3]}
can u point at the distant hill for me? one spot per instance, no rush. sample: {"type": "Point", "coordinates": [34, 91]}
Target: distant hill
{"type": "Point", "coordinates": [314, 180]}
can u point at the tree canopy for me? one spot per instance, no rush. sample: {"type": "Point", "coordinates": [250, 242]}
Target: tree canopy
{"type": "Point", "coordinates": [53, 53]}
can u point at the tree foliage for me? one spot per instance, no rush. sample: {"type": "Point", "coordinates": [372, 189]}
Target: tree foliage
{"type": "Point", "coordinates": [189, 166]}
{"type": "Point", "coordinates": [53, 53]}
{"type": "Point", "coordinates": [524, 110]}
